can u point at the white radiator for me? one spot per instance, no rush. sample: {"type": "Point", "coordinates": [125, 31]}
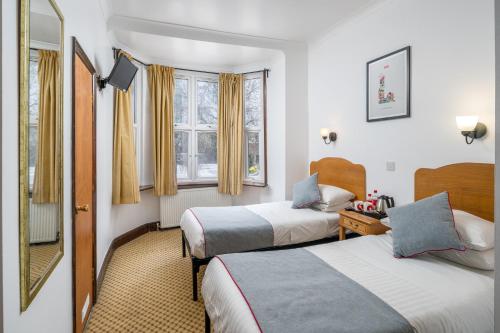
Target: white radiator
{"type": "Point", "coordinates": [172, 207]}
{"type": "Point", "coordinates": [43, 223]}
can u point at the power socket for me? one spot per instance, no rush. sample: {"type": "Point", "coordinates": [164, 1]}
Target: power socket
{"type": "Point", "coordinates": [390, 166]}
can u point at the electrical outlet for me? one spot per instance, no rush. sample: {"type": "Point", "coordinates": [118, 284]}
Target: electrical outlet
{"type": "Point", "coordinates": [390, 166]}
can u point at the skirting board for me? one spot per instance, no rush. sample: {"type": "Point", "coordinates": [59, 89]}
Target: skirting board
{"type": "Point", "coordinates": [121, 240]}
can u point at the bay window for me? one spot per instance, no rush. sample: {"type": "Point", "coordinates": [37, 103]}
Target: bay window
{"type": "Point", "coordinates": [255, 125]}
{"type": "Point", "coordinates": [195, 126]}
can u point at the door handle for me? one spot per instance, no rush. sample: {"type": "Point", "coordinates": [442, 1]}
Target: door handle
{"type": "Point", "coordinates": [81, 208]}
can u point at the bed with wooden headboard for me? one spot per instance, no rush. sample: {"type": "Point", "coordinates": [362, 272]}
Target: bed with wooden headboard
{"type": "Point", "coordinates": [470, 186]}
{"type": "Point", "coordinates": [289, 226]}
{"type": "Point", "coordinates": [342, 173]}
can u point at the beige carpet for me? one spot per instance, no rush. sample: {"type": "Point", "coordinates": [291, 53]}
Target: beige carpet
{"type": "Point", "coordinates": [41, 255]}
{"type": "Point", "coordinates": [147, 288]}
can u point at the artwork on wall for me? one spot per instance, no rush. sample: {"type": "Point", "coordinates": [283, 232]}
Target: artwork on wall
{"type": "Point", "coordinates": [388, 86]}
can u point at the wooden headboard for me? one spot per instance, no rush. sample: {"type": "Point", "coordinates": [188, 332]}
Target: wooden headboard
{"type": "Point", "coordinates": [341, 173]}
{"type": "Point", "coordinates": [470, 186]}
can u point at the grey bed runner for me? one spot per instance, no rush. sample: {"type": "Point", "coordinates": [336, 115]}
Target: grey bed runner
{"type": "Point", "coordinates": [233, 229]}
{"type": "Point", "coordinates": [295, 291]}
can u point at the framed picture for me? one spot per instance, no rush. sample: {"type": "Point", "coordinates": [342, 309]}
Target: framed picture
{"type": "Point", "coordinates": [388, 86]}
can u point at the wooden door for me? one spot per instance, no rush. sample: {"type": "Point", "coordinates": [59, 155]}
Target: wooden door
{"type": "Point", "coordinates": [83, 187]}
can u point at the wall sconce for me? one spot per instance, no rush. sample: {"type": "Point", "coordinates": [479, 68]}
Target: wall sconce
{"type": "Point", "coordinates": [471, 128]}
{"type": "Point", "coordinates": [326, 134]}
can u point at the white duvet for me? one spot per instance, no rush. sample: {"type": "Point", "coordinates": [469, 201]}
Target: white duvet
{"type": "Point", "coordinates": [290, 226]}
{"type": "Point", "coordinates": [433, 294]}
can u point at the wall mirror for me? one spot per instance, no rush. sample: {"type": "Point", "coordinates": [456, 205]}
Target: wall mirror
{"type": "Point", "coordinates": [40, 143]}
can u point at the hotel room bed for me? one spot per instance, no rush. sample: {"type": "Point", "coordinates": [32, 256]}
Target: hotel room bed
{"type": "Point", "coordinates": [433, 294]}
{"type": "Point", "coordinates": [267, 225]}
{"type": "Point", "coordinates": [367, 289]}
{"type": "Point", "coordinates": [289, 226]}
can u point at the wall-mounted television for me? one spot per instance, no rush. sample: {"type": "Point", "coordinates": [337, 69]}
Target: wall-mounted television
{"type": "Point", "coordinates": [121, 75]}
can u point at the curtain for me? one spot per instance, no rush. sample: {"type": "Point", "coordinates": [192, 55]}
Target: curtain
{"type": "Point", "coordinates": [125, 178]}
{"type": "Point", "coordinates": [162, 89]}
{"type": "Point", "coordinates": [230, 134]}
{"type": "Point", "coordinates": [47, 166]}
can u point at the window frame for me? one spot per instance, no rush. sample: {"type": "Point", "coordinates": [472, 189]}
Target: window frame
{"type": "Point", "coordinates": [262, 130]}
{"type": "Point", "coordinates": [193, 128]}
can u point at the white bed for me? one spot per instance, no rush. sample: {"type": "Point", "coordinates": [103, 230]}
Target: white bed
{"type": "Point", "coordinates": [290, 226]}
{"type": "Point", "coordinates": [433, 294]}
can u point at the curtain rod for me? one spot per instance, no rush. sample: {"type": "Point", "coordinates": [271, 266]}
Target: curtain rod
{"type": "Point", "coordinates": [116, 50]}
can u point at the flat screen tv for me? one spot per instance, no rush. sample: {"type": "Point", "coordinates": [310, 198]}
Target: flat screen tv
{"type": "Point", "coordinates": [122, 74]}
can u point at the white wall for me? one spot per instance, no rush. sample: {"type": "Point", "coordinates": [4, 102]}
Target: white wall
{"type": "Point", "coordinates": [497, 170]}
{"type": "Point", "coordinates": [452, 74]}
{"type": "Point", "coordinates": [51, 311]}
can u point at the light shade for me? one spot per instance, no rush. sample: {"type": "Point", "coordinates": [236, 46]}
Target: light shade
{"type": "Point", "coordinates": [325, 132]}
{"type": "Point", "coordinates": [467, 123]}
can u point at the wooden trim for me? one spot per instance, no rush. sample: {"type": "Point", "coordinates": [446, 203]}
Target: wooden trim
{"type": "Point", "coordinates": [78, 51]}
{"type": "Point", "coordinates": [121, 240]}
{"type": "Point", "coordinates": [470, 186]}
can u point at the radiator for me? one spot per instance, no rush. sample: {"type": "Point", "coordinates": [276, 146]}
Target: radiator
{"type": "Point", "coordinates": [172, 207]}
{"type": "Point", "coordinates": [43, 223]}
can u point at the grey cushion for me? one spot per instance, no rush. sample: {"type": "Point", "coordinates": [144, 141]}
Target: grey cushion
{"type": "Point", "coordinates": [426, 225]}
{"type": "Point", "coordinates": [306, 192]}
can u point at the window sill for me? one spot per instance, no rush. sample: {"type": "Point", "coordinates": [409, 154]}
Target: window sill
{"type": "Point", "coordinates": [200, 185]}
{"type": "Point", "coordinates": [181, 186]}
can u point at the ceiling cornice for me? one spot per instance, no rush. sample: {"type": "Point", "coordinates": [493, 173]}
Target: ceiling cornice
{"type": "Point", "coordinates": [126, 23]}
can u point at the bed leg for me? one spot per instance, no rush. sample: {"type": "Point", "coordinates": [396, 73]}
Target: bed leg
{"type": "Point", "coordinates": [195, 270]}
{"type": "Point", "coordinates": [183, 246]}
{"type": "Point", "coordinates": [207, 323]}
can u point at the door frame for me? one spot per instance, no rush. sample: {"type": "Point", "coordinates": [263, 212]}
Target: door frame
{"type": "Point", "coordinates": [78, 51]}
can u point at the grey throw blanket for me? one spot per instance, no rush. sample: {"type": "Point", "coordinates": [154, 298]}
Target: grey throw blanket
{"type": "Point", "coordinates": [295, 291]}
{"type": "Point", "coordinates": [233, 229]}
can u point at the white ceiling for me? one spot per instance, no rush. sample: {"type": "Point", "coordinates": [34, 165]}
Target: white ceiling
{"type": "Point", "coordinates": [197, 54]}
{"type": "Point", "coordinates": [295, 20]}
{"type": "Point", "coordinates": [274, 21]}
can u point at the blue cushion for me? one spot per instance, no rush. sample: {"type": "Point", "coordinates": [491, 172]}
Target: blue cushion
{"type": "Point", "coordinates": [306, 192]}
{"type": "Point", "coordinates": [426, 225]}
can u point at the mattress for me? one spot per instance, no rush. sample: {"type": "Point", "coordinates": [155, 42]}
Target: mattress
{"type": "Point", "coordinates": [290, 226]}
{"type": "Point", "coordinates": [433, 294]}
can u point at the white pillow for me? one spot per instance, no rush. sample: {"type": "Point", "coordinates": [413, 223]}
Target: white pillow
{"type": "Point", "coordinates": [333, 195]}
{"type": "Point", "coordinates": [325, 208]}
{"type": "Point", "coordinates": [484, 260]}
{"type": "Point", "coordinates": [477, 233]}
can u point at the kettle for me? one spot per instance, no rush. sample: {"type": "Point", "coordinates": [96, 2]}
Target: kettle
{"type": "Point", "coordinates": [384, 202]}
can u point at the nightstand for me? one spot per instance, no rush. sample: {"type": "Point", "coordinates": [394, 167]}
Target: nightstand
{"type": "Point", "coordinates": [360, 224]}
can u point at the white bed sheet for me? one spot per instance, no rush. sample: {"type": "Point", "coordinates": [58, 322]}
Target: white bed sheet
{"type": "Point", "coordinates": [433, 294]}
{"type": "Point", "coordinates": [290, 226]}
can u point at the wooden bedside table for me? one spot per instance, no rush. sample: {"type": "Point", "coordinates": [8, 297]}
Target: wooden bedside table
{"type": "Point", "coordinates": [360, 224]}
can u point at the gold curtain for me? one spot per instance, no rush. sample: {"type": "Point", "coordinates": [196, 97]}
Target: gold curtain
{"type": "Point", "coordinates": [46, 181]}
{"type": "Point", "coordinates": [230, 134]}
{"type": "Point", "coordinates": [125, 178]}
{"type": "Point", "coordinates": [162, 89]}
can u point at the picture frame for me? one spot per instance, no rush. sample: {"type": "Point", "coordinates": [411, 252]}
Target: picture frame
{"type": "Point", "coordinates": [388, 86]}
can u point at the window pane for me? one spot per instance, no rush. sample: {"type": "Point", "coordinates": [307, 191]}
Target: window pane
{"type": "Point", "coordinates": [208, 99]}
{"type": "Point", "coordinates": [253, 102]}
{"type": "Point", "coordinates": [181, 108]}
{"type": "Point", "coordinates": [182, 154]}
{"type": "Point", "coordinates": [253, 154]}
{"type": "Point", "coordinates": [32, 151]}
{"type": "Point", "coordinates": [207, 155]}
{"type": "Point", "coordinates": [33, 92]}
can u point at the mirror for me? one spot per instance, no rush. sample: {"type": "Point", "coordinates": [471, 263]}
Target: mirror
{"type": "Point", "coordinates": [40, 143]}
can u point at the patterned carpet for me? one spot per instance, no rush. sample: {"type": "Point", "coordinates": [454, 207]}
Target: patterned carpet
{"type": "Point", "coordinates": [41, 255]}
{"type": "Point", "coordinates": [147, 288]}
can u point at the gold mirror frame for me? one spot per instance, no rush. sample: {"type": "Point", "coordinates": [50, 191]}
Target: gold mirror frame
{"type": "Point", "coordinates": [28, 293]}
